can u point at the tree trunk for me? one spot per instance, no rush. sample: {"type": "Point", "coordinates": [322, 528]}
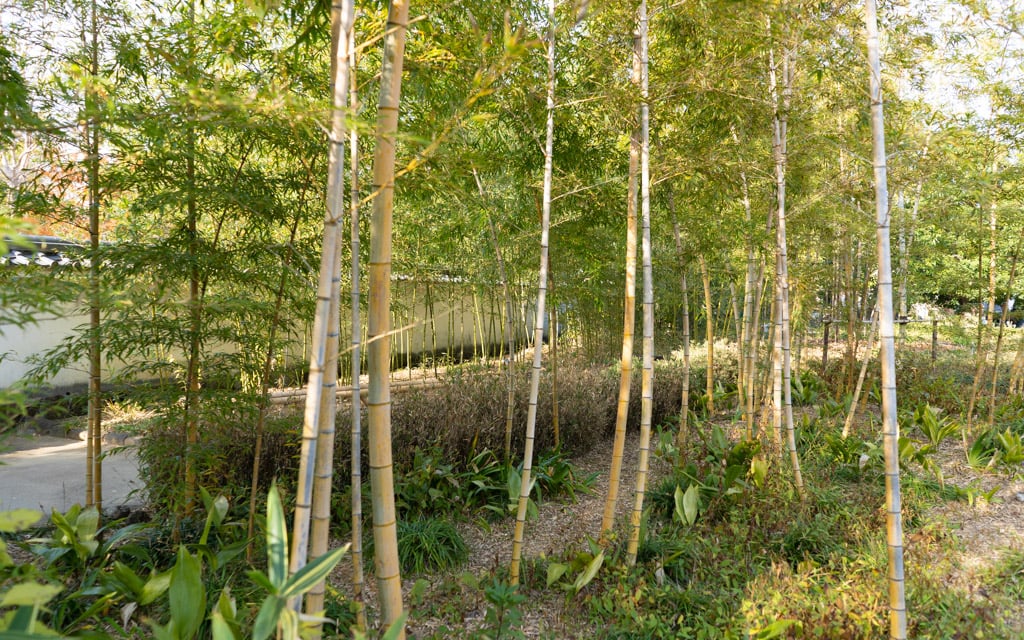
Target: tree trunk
{"type": "Point", "coordinates": [342, 19]}
{"type": "Point", "coordinates": [684, 405]}
{"type": "Point", "coordinates": [890, 425]}
{"type": "Point", "coordinates": [852, 414]}
{"type": "Point", "coordinates": [356, 479]}
{"type": "Point", "coordinates": [647, 378]}
{"type": "Point", "coordinates": [538, 324]}
{"type": "Point", "coordinates": [629, 319]}
{"type": "Point", "coordinates": [385, 534]}
{"type": "Point", "coordinates": [999, 335]}
{"type": "Point", "coordinates": [553, 342]}
{"type": "Point", "coordinates": [317, 457]}
{"type": "Point", "coordinates": [782, 274]}
{"type": "Point", "coordinates": [710, 335]}
{"type": "Point", "coordinates": [94, 439]}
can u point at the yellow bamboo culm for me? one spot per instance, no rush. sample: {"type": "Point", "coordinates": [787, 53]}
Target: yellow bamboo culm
{"type": "Point", "coordinates": [852, 415]}
{"type": "Point", "coordinates": [629, 323]}
{"type": "Point", "coordinates": [538, 324]}
{"type": "Point", "coordinates": [684, 401]}
{"type": "Point", "coordinates": [647, 379]}
{"type": "Point", "coordinates": [709, 378]}
{"type": "Point", "coordinates": [385, 533]}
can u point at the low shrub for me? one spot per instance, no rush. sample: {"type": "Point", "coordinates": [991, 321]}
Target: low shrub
{"type": "Point", "coordinates": [455, 421]}
{"type": "Point", "coordinates": [427, 544]}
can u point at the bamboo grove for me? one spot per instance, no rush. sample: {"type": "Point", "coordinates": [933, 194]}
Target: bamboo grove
{"type": "Point", "coordinates": [221, 164]}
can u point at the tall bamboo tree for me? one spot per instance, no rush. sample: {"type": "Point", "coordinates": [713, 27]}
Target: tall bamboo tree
{"type": "Point", "coordinates": [647, 378]}
{"type": "Point", "coordinates": [342, 19]}
{"type": "Point", "coordinates": [94, 441]}
{"type": "Point", "coordinates": [684, 403]}
{"type": "Point", "coordinates": [890, 425]}
{"type": "Point", "coordinates": [538, 323]}
{"type": "Point", "coordinates": [782, 327]}
{"type": "Point", "coordinates": [629, 318]}
{"type": "Point", "coordinates": [356, 348]}
{"type": "Point", "coordinates": [323, 369]}
{"type": "Point", "coordinates": [385, 533]}
{"type": "Point", "coordinates": [709, 334]}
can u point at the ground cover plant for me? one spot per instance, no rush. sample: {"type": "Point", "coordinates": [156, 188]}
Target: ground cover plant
{"type": "Point", "coordinates": [728, 547]}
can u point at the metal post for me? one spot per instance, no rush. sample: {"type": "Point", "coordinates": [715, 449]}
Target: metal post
{"type": "Point", "coordinates": [935, 338]}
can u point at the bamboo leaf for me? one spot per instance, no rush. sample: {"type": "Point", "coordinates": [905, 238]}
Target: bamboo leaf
{"type": "Point", "coordinates": [584, 578]}
{"type": "Point", "coordinates": [29, 594]}
{"type": "Point", "coordinates": [155, 587]}
{"type": "Point", "coordinates": [18, 519]}
{"type": "Point", "coordinates": [266, 620]}
{"type": "Point", "coordinates": [691, 503]}
{"type": "Point", "coordinates": [277, 541]}
{"type": "Point", "coordinates": [130, 579]}
{"type": "Point", "coordinates": [555, 571]}
{"type": "Point", "coordinates": [221, 629]}
{"type": "Point", "coordinates": [187, 595]}
{"type": "Point", "coordinates": [263, 581]}
{"type": "Point", "coordinates": [759, 471]}
{"type": "Point", "coordinates": [312, 573]}
{"type": "Point", "coordinates": [396, 628]}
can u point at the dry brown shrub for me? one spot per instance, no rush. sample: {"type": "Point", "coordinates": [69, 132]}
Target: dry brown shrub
{"type": "Point", "coordinates": [462, 415]}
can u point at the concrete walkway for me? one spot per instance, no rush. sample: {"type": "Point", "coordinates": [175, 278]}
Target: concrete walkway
{"type": "Point", "coordinates": [49, 473]}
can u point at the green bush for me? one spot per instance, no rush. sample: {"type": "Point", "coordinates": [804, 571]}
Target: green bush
{"type": "Point", "coordinates": [427, 544]}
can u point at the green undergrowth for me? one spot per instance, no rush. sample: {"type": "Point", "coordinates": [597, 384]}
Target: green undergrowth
{"type": "Point", "coordinates": [727, 556]}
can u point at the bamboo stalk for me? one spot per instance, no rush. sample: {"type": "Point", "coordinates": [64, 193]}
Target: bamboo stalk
{"type": "Point", "coordinates": [709, 335]}
{"type": "Point", "coordinates": [749, 322]}
{"type": "Point", "coordinates": [385, 535]}
{"type": "Point", "coordinates": [356, 478]}
{"type": "Point", "coordinates": [507, 328]}
{"type": "Point", "coordinates": [553, 342]}
{"type": "Point", "coordinates": [682, 437]}
{"type": "Point", "coordinates": [647, 378]}
{"type": "Point", "coordinates": [753, 352]}
{"type": "Point", "coordinates": [852, 414]}
{"type": "Point", "coordinates": [890, 425]}
{"type": "Point", "coordinates": [265, 398]}
{"type": "Point", "coordinates": [315, 464]}
{"type": "Point", "coordinates": [343, 16]}
{"type": "Point", "coordinates": [94, 432]}
{"type": "Point", "coordinates": [538, 325]}
{"type": "Point", "coordinates": [191, 419]}
{"type": "Point", "coordinates": [999, 335]}
{"type": "Point", "coordinates": [629, 321]}
{"type": "Point", "coordinates": [783, 368]}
